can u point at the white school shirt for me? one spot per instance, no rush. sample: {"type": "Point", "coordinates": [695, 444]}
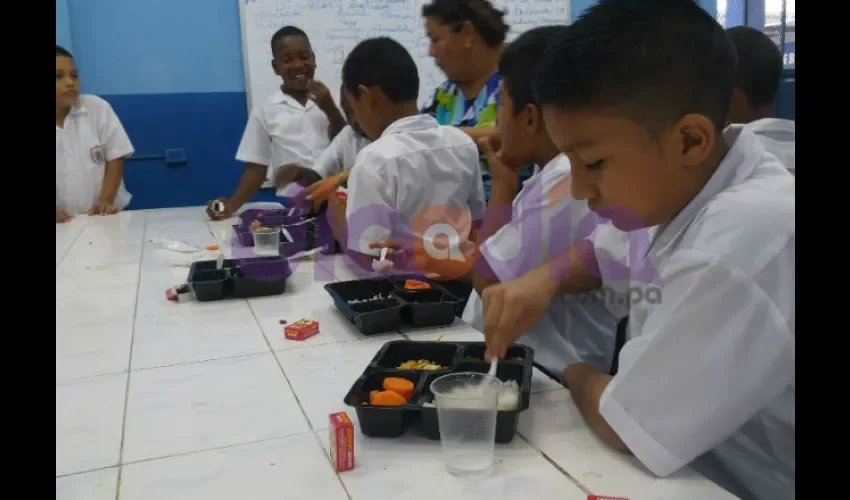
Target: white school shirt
{"type": "Point", "coordinates": [341, 152]}
{"type": "Point", "coordinates": [709, 367]}
{"type": "Point", "coordinates": [414, 165]}
{"type": "Point", "coordinates": [91, 137]}
{"type": "Point", "coordinates": [574, 328]}
{"type": "Point", "coordinates": [778, 138]}
{"type": "Point", "coordinates": [281, 131]}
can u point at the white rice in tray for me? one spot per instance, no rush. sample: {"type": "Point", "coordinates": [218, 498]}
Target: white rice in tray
{"type": "Point", "coordinates": [508, 397]}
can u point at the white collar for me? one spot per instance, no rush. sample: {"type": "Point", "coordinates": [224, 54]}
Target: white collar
{"type": "Point", "coordinates": [411, 123]}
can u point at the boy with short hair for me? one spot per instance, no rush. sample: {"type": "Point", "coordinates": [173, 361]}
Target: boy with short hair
{"type": "Point", "coordinates": [91, 145]}
{"type": "Point", "coordinates": [523, 226]}
{"type": "Point", "coordinates": [417, 175]}
{"type": "Point", "coordinates": [636, 93]}
{"type": "Point", "coordinates": [754, 95]}
{"type": "Point", "coordinates": [292, 126]}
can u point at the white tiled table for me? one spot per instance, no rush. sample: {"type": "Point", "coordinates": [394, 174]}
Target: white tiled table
{"type": "Point", "coordinates": [208, 401]}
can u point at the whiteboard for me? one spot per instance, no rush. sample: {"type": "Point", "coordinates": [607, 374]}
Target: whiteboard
{"type": "Point", "coordinates": [336, 26]}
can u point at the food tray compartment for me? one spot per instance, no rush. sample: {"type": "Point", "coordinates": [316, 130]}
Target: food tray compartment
{"type": "Point", "coordinates": [299, 233]}
{"type": "Point", "coordinates": [460, 289]}
{"type": "Point", "coordinates": [515, 353]}
{"type": "Point", "coordinates": [426, 308]}
{"type": "Point", "coordinates": [506, 420]}
{"type": "Point", "coordinates": [393, 353]}
{"type": "Point", "coordinates": [375, 311]}
{"type": "Point", "coordinates": [383, 421]}
{"type": "Point", "coordinates": [208, 283]}
{"type": "Point", "coordinates": [320, 234]}
{"type": "Point", "coordinates": [259, 277]}
{"type": "Point", "coordinates": [504, 371]}
{"type": "Point", "coordinates": [269, 217]}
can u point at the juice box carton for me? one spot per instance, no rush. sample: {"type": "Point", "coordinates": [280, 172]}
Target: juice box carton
{"type": "Point", "coordinates": [301, 329]}
{"type": "Point", "coordinates": [342, 441]}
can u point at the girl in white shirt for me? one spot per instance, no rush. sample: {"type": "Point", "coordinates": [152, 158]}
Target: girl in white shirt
{"type": "Point", "coordinates": [90, 149]}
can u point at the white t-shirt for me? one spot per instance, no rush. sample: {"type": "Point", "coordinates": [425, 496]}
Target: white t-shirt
{"type": "Point", "coordinates": [777, 135]}
{"type": "Point", "coordinates": [281, 131]}
{"type": "Point", "coordinates": [574, 328]}
{"type": "Point", "coordinates": [91, 137]}
{"type": "Point", "coordinates": [709, 366]}
{"type": "Point", "coordinates": [419, 178]}
{"type": "Point", "coordinates": [341, 152]}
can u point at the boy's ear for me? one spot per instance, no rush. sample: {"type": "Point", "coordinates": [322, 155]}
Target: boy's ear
{"type": "Point", "coordinates": [694, 137]}
{"type": "Point", "coordinates": [534, 118]}
{"type": "Point", "coordinates": [274, 68]}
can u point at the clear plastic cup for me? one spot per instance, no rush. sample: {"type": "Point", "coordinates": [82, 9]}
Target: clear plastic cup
{"type": "Point", "coordinates": [467, 406]}
{"type": "Point", "coordinates": [266, 242]}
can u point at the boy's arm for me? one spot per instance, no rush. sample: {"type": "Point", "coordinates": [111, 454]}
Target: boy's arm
{"type": "Point", "coordinates": [116, 146]}
{"type": "Point", "coordinates": [712, 352]}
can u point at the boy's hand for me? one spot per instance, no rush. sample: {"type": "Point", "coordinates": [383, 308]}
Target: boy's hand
{"type": "Point", "coordinates": [500, 172]}
{"type": "Point", "coordinates": [102, 207]}
{"type": "Point", "coordinates": [320, 94]}
{"type": "Point", "coordinates": [63, 216]}
{"type": "Point", "coordinates": [513, 308]}
{"type": "Point", "coordinates": [226, 214]}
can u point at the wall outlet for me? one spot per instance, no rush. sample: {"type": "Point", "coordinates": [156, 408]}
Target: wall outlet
{"type": "Point", "coordinates": [175, 157]}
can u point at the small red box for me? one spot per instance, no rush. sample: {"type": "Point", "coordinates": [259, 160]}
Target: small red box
{"type": "Point", "coordinates": [301, 329]}
{"type": "Point", "coordinates": [342, 441]}
{"type": "Point", "coordinates": [598, 497]}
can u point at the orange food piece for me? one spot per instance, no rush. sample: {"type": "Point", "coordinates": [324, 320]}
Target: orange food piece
{"type": "Point", "coordinates": [385, 398]}
{"type": "Point", "coordinates": [212, 247]}
{"type": "Point", "coordinates": [400, 386]}
{"type": "Point", "coordinates": [416, 285]}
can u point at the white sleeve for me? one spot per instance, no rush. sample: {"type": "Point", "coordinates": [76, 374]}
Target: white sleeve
{"type": "Point", "coordinates": [477, 205]}
{"type": "Point", "coordinates": [256, 145]}
{"type": "Point", "coordinates": [370, 212]}
{"type": "Point", "coordinates": [712, 352]}
{"type": "Point", "coordinates": [114, 139]}
{"type": "Point", "coordinates": [330, 161]}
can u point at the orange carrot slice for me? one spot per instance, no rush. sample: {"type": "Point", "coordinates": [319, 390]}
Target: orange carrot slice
{"type": "Point", "coordinates": [400, 386]}
{"type": "Point", "coordinates": [385, 398]}
{"type": "Point", "coordinates": [416, 285]}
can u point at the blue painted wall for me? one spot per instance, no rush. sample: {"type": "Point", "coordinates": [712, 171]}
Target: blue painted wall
{"type": "Point", "coordinates": [63, 25]}
{"type": "Point", "coordinates": [173, 71]}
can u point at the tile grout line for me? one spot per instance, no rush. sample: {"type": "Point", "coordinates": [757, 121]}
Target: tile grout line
{"type": "Point", "coordinates": [300, 406]}
{"type": "Point", "coordinates": [65, 253]}
{"type": "Point", "coordinates": [186, 453]}
{"type": "Point", "coordinates": [130, 366]}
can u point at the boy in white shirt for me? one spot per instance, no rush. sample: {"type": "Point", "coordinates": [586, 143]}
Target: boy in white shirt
{"type": "Point", "coordinates": [292, 126]}
{"type": "Point", "coordinates": [521, 229]}
{"type": "Point", "coordinates": [336, 160]}
{"type": "Point", "coordinates": [754, 95]}
{"type": "Point", "coordinates": [636, 93]}
{"type": "Point", "coordinates": [417, 179]}
{"type": "Point", "coordinates": [90, 149]}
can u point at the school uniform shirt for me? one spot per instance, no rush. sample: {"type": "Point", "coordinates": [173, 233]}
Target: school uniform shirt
{"type": "Point", "coordinates": [341, 152]}
{"type": "Point", "coordinates": [449, 106]}
{"type": "Point", "coordinates": [91, 137]}
{"type": "Point", "coordinates": [708, 370]}
{"type": "Point", "coordinates": [778, 138]}
{"type": "Point", "coordinates": [281, 131]}
{"type": "Point", "coordinates": [415, 165]}
{"type": "Point", "coordinates": [574, 328]}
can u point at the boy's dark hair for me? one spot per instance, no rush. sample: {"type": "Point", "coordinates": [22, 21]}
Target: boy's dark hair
{"type": "Point", "coordinates": [759, 65]}
{"type": "Point", "coordinates": [60, 51]}
{"type": "Point", "coordinates": [284, 32]}
{"type": "Point", "coordinates": [519, 60]}
{"type": "Point", "coordinates": [381, 62]}
{"type": "Point", "coordinates": [654, 61]}
{"type": "Point", "coordinates": [488, 20]}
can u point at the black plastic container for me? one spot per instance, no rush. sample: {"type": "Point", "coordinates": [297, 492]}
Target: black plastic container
{"type": "Point", "coordinates": [376, 421]}
{"type": "Point", "coordinates": [368, 304]}
{"type": "Point", "coordinates": [238, 278]}
{"type": "Point", "coordinates": [460, 289]}
{"type": "Point", "coordinates": [429, 307]}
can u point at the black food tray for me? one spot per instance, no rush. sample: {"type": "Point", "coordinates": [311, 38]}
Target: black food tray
{"type": "Point", "coordinates": [383, 305]}
{"type": "Point", "coordinates": [393, 421]}
{"type": "Point", "coordinates": [238, 278]}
